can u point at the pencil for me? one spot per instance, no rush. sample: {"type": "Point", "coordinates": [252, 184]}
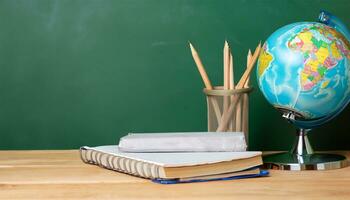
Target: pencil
{"type": "Point", "coordinates": [241, 112]}
{"type": "Point", "coordinates": [206, 80]}
{"type": "Point", "coordinates": [249, 57]}
{"type": "Point", "coordinates": [237, 117]}
{"type": "Point", "coordinates": [232, 73]}
{"type": "Point", "coordinates": [232, 126]}
{"type": "Point", "coordinates": [200, 67]}
{"type": "Point", "coordinates": [226, 99]}
{"type": "Point", "coordinates": [245, 114]}
{"type": "Point", "coordinates": [249, 69]}
{"type": "Point", "coordinates": [226, 115]}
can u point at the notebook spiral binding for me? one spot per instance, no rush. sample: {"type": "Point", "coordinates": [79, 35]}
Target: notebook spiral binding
{"type": "Point", "coordinates": [119, 163]}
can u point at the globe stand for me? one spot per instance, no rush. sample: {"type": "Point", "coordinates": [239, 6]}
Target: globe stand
{"type": "Point", "coordinates": [302, 157]}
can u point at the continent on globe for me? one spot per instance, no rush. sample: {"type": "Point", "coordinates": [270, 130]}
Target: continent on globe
{"type": "Point", "coordinates": [321, 51]}
{"type": "Point", "coordinates": [264, 60]}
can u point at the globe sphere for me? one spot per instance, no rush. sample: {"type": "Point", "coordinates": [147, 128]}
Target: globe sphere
{"type": "Point", "coordinates": [304, 68]}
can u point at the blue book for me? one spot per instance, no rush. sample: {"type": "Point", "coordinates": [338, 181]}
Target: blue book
{"type": "Point", "coordinates": [250, 173]}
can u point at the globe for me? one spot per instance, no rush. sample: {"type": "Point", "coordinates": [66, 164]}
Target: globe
{"type": "Point", "coordinates": [304, 68]}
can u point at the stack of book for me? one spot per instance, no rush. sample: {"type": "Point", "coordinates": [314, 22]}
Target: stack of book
{"type": "Point", "coordinates": [177, 166]}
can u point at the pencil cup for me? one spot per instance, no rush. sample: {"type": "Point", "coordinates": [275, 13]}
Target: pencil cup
{"type": "Point", "coordinates": [220, 99]}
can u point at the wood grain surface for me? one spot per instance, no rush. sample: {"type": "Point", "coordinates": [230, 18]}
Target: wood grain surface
{"type": "Point", "coordinates": [61, 175]}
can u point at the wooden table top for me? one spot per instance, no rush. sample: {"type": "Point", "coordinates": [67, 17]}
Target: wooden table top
{"type": "Point", "coordinates": [60, 174]}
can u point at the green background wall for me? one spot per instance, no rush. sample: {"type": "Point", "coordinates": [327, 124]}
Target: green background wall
{"type": "Point", "coordinates": [84, 72]}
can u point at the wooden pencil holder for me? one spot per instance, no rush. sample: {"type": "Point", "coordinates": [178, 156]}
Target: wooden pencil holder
{"type": "Point", "coordinates": [239, 120]}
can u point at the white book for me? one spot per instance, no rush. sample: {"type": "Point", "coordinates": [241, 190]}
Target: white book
{"type": "Point", "coordinates": [183, 142]}
{"type": "Point", "coordinates": [170, 165]}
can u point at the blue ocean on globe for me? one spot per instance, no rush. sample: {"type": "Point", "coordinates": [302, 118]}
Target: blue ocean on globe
{"type": "Point", "coordinates": [305, 68]}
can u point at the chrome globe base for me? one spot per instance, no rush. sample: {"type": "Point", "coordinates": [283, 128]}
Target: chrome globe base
{"type": "Point", "coordinates": [302, 157]}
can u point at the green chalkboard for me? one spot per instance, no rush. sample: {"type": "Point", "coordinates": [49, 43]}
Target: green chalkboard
{"type": "Point", "coordinates": [86, 72]}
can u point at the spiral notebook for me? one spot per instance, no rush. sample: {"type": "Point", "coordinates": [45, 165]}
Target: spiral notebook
{"type": "Point", "coordinates": [168, 168]}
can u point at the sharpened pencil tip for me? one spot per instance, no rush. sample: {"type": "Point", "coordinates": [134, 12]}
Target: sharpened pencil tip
{"type": "Point", "coordinates": [226, 46]}
{"type": "Point", "coordinates": [191, 46]}
{"type": "Point", "coordinates": [193, 50]}
{"type": "Point", "coordinates": [257, 49]}
{"type": "Point", "coordinates": [226, 43]}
